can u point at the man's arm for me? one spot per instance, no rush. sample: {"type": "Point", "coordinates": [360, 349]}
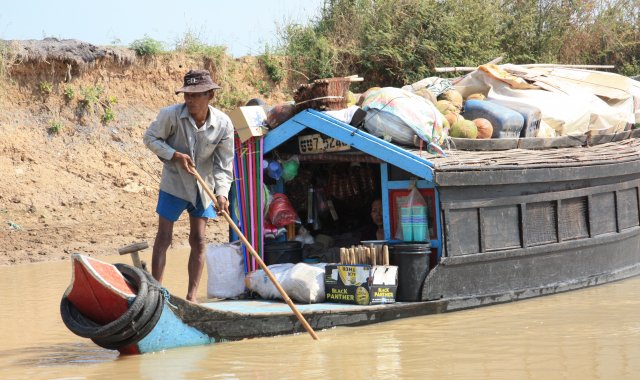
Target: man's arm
{"type": "Point", "coordinates": [223, 167]}
{"type": "Point", "coordinates": [156, 135]}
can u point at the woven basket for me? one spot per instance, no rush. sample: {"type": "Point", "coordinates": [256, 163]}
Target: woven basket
{"type": "Point", "coordinates": [323, 94]}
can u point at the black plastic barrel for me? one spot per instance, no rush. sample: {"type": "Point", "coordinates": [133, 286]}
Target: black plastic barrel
{"type": "Point", "coordinates": [281, 252]}
{"type": "Point", "coordinates": [413, 266]}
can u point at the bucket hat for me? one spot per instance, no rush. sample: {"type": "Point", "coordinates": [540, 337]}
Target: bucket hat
{"type": "Point", "coordinates": [197, 81]}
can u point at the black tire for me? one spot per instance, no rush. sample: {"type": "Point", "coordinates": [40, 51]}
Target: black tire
{"type": "Point", "coordinates": [138, 335]}
{"type": "Point", "coordinates": [133, 325]}
{"type": "Point", "coordinates": [141, 324]}
{"type": "Point", "coordinates": [82, 326]}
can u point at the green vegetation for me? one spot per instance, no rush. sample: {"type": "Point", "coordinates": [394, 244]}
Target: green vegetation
{"type": "Point", "coordinates": [273, 66]}
{"type": "Point", "coordinates": [69, 94]}
{"type": "Point", "coordinates": [45, 88]}
{"type": "Point", "coordinates": [90, 96]}
{"type": "Point", "coordinates": [193, 45]}
{"type": "Point", "coordinates": [399, 42]}
{"type": "Point", "coordinates": [230, 99]}
{"type": "Point", "coordinates": [147, 47]}
{"type": "Point", "coordinates": [109, 114]}
{"type": "Point", "coordinates": [55, 126]}
{"type": "Point", "coordinates": [261, 85]}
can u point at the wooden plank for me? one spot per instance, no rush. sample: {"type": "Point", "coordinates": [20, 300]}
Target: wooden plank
{"type": "Point", "coordinates": [548, 143]}
{"type": "Point", "coordinates": [475, 177]}
{"type": "Point", "coordinates": [590, 214]}
{"type": "Point", "coordinates": [544, 249]}
{"type": "Point", "coordinates": [559, 226]}
{"type": "Point", "coordinates": [614, 152]}
{"type": "Point", "coordinates": [483, 230]}
{"type": "Point", "coordinates": [523, 225]}
{"type": "Point", "coordinates": [456, 143]}
{"type": "Point", "coordinates": [540, 197]}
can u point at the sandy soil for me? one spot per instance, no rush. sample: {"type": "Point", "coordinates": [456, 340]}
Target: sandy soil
{"type": "Point", "coordinates": [92, 186]}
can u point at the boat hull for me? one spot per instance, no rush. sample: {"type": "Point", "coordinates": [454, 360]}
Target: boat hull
{"type": "Point", "coordinates": [523, 227]}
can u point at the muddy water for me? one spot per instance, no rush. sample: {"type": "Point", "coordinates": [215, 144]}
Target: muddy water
{"type": "Point", "coordinates": [586, 334]}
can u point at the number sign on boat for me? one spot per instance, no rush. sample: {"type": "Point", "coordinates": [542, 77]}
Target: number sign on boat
{"type": "Point", "coordinates": [316, 143]}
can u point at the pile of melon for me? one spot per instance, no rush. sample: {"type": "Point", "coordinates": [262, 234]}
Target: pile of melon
{"type": "Point", "coordinates": [450, 105]}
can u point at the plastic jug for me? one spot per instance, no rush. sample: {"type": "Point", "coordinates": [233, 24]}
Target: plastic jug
{"type": "Point", "coordinates": [531, 114]}
{"type": "Point", "coordinates": [506, 122]}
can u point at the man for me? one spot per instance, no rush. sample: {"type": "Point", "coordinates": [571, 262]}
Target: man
{"type": "Point", "coordinates": [189, 136]}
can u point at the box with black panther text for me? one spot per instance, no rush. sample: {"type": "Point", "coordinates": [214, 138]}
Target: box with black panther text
{"type": "Point", "coordinates": [361, 284]}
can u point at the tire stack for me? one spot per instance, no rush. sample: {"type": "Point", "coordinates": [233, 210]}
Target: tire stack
{"type": "Point", "coordinates": [136, 323]}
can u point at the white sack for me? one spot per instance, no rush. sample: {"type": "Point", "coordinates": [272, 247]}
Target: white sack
{"type": "Point", "coordinates": [260, 283]}
{"type": "Point", "coordinates": [305, 283]}
{"type": "Point", "coordinates": [225, 268]}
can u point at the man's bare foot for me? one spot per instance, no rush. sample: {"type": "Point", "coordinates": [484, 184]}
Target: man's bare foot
{"type": "Point", "coordinates": [192, 299]}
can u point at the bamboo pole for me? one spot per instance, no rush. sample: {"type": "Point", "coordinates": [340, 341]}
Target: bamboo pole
{"type": "Point", "coordinates": [255, 255]}
{"type": "Point", "coordinates": [385, 253]}
{"type": "Point", "coordinates": [550, 65]}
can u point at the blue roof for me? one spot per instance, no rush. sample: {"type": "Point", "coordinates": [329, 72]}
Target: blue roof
{"type": "Point", "coordinates": [356, 138]}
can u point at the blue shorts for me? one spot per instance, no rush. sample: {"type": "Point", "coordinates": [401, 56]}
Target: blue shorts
{"type": "Point", "coordinates": [171, 207]}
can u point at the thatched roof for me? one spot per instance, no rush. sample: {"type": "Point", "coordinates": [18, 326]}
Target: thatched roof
{"type": "Point", "coordinates": [67, 51]}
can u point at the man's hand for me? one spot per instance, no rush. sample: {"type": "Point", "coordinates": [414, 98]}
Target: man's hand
{"type": "Point", "coordinates": [223, 204]}
{"type": "Point", "coordinates": [184, 161]}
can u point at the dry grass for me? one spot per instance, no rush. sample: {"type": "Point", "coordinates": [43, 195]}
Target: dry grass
{"type": "Point", "coordinates": [78, 53]}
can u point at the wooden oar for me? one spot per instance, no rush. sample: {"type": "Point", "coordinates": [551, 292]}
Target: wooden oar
{"type": "Point", "coordinates": [255, 255]}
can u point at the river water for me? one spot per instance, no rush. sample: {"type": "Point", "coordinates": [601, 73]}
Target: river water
{"type": "Point", "coordinates": [586, 334]}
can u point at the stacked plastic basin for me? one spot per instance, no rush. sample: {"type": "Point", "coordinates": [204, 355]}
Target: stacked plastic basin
{"type": "Point", "coordinates": [413, 220]}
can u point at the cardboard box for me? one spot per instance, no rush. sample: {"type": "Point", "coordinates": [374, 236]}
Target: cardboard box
{"type": "Point", "coordinates": [361, 284]}
{"type": "Point", "coordinates": [249, 121]}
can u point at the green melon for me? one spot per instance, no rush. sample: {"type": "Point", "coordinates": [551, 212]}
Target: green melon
{"type": "Point", "coordinates": [453, 96]}
{"type": "Point", "coordinates": [445, 106]}
{"type": "Point", "coordinates": [464, 128]}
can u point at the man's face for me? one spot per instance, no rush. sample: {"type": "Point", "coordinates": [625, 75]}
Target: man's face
{"type": "Point", "coordinates": [197, 102]}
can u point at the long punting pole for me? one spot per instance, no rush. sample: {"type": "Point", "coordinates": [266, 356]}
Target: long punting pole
{"type": "Point", "coordinates": [255, 255]}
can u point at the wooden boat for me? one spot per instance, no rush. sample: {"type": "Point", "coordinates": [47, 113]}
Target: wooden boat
{"type": "Point", "coordinates": [508, 223]}
{"type": "Point", "coordinates": [91, 305]}
{"type": "Point", "coordinates": [513, 218]}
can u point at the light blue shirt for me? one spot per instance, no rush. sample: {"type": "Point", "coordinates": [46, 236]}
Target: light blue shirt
{"type": "Point", "coordinates": [210, 148]}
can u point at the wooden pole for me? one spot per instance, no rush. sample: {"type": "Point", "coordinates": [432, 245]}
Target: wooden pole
{"type": "Point", "coordinates": [255, 255]}
{"type": "Point", "coordinates": [133, 250]}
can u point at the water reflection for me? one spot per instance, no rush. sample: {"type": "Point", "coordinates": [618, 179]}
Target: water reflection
{"type": "Point", "coordinates": [587, 334]}
{"type": "Point", "coordinates": [172, 364]}
{"type": "Point", "coordinates": [61, 355]}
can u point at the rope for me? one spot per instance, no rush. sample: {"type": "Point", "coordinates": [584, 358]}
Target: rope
{"type": "Point", "coordinates": [167, 297]}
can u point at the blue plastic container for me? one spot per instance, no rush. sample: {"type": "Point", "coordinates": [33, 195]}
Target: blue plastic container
{"type": "Point", "coordinates": [531, 114]}
{"type": "Point", "coordinates": [506, 122]}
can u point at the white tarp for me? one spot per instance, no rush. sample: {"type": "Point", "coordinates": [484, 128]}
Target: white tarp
{"type": "Point", "coordinates": [572, 102]}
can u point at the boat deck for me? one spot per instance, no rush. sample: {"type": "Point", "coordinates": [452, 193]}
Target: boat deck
{"type": "Point", "coordinates": [518, 158]}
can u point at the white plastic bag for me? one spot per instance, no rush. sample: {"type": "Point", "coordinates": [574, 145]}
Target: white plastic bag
{"type": "Point", "coordinates": [225, 268]}
{"type": "Point", "coordinates": [305, 283]}
{"type": "Point", "coordinates": [260, 283]}
{"type": "Point", "coordinates": [411, 221]}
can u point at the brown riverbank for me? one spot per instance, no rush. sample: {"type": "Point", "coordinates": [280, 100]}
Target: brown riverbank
{"type": "Point", "coordinates": [75, 176]}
